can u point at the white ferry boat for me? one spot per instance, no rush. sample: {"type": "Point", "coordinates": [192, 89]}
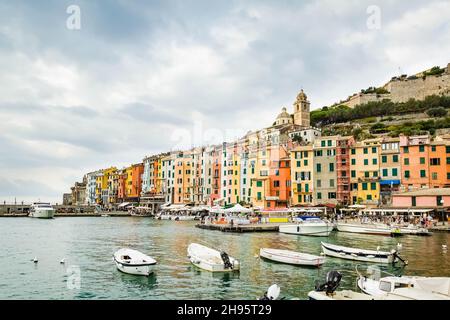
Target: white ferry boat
{"type": "Point", "coordinates": [42, 210]}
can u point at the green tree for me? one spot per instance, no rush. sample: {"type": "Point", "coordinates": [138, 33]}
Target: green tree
{"type": "Point", "coordinates": [437, 112]}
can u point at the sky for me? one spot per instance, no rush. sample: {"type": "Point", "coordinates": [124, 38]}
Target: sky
{"type": "Point", "coordinates": [142, 77]}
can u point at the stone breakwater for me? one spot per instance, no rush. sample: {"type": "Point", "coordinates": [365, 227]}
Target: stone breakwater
{"type": "Point", "coordinates": [24, 209]}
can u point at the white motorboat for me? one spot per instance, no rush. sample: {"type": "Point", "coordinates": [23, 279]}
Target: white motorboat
{"type": "Point", "coordinates": [211, 259]}
{"type": "Point", "coordinates": [164, 216]}
{"type": "Point", "coordinates": [356, 254]}
{"type": "Point", "coordinates": [134, 262]}
{"type": "Point", "coordinates": [368, 228]}
{"type": "Point", "coordinates": [437, 286]}
{"type": "Point", "coordinates": [42, 210]}
{"type": "Point", "coordinates": [327, 290]}
{"type": "Point", "coordinates": [414, 230]}
{"type": "Point", "coordinates": [182, 217]}
{"type": "Point", "coordinates": [308, 226]}
{"type": "Point", "coordinates": [291, 257]}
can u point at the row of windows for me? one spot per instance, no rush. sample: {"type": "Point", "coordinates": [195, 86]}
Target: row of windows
{"type": "Point", "coordinates": [365, 150]}
{"type": "Point", "coordinates": [330, 167]}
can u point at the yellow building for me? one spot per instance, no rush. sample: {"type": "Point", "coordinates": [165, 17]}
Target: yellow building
{"type": "Point", "coordinates": [128, 181]}
{"type": "Point", "coordinates": [302, 175]}
{"type": "Point", "coordinates": [364, 172]}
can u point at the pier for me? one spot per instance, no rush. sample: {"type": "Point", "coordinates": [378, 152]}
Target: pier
{"type": "Point", "coordinates": [265, 227]}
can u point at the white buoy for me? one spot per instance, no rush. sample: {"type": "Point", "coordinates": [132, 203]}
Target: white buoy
{"type": "Point", "coordinates": [378, 248]}
{"type": "Point", "coordinates": [399, 246]}
{"type": "Point", "coordinates": [63, 261]}
{"type": "Point", "coordinates": [444, 247]}
{"type": "Point", "coordinates": [35, 260]}
{"type": "Point", "coordinates": [256, 256]}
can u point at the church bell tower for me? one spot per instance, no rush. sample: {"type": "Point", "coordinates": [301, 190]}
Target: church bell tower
{"type": "Point", "coordinates": [301, 110]}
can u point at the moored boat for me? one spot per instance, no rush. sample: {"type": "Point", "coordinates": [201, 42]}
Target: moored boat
{"type": "Point", "coordinates": [414, 230]}
{"type": "Point", "coordinates": [308, 226]}
{"type": "Point", "coordinates": [134, 262]}
{"type": "Point", "coordinates": [291, 257]}
{"type": "Point", "coordinates": [327, 290]}
{"type": "Point", "coordinates": [182, 218]}
{"type": "Point", "coordinates": [42, 210]}
{"type": "Point", "coordinates": [211, 259]}
{"type": "Point", "coordinates": [368, 228]}
{"type": "Point", "coordinates": [356, 254]}
{"type": "Point", "coordinates": [438, 286]}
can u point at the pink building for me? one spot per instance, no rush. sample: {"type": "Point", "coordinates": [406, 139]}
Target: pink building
{"type": "Point", "coordinates": [425, 198]}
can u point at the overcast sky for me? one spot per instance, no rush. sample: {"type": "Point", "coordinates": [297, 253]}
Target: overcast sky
{"type": "Point", "coordinates": [141, 75]}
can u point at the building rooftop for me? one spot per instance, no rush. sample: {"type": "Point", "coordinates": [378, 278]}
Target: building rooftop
{"type": "Point", "coordinates": [425, 192]}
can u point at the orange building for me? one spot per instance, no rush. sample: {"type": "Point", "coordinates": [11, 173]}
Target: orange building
{"type": "Point", "coordinates": [279, 183]}
{"type": "Point", "coordinates": [216, 180]}
{"type": "Point", "coordinates": [439, 164]}
{"type": "Point", "coordinates": [134, 191]}
{"type": "Point", "coordinates": [414, 154]}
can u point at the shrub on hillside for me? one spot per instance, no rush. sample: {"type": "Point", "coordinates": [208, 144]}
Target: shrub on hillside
{"type": "Point", "coordinates": [437, 112]}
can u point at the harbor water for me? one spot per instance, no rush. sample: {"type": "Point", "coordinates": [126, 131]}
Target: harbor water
{"type": "Point", "coordinates": [88, 243]}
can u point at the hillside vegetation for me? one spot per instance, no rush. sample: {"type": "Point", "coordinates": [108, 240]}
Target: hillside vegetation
{"type": "Point", "coordinates": [385, 118]}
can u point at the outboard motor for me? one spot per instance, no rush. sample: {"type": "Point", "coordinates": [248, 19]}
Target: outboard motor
{"type": "Point", "coordinates": [226, 260]}
{"type": "Point", "coordinates": [333, 280]}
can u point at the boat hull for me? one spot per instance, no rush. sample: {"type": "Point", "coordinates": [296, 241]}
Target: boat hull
{"type": "Point", "coordinates": [362, 229]}
{"type": "Point", "coordinates": [339, 295]}
{"type": "Point", "coordinates": [357, 255]}
{"type": "Point", "coordinates": [137, 270]}
{"type": "Point", "coordinates": [290, 257]}
{"type": "Point", "coordinates": [183, 218]}
{"type": "Point", "coordinates": [43, 214]}
{"type": "Point", "coordinates": [315, 229]}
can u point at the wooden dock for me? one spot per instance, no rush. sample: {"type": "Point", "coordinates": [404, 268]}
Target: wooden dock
{"type": "Point", "coordinates": [264, 227]}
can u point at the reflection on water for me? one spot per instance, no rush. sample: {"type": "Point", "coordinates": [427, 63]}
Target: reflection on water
{"type": "Point", "coordinates": [89, 243]}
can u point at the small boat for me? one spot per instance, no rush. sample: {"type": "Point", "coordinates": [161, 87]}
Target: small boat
{"type": "Point", "coordinates": [356, 254]}
{"type": "Point", "coordinates": [414, 230]}
{"type": "Point", "coordinates": [327, 290]}
{"type": "Point", "coordinates": [105, 215]}
{"type": "Point", "coordinates": [134, 262]}
{"type": "Point", "coordinates": [182, 218]}
{"type": "Point", "coordinates": [292, 257]}
{"type": "Point", "coordinates": [42, 210]}
{"type": "Point", "coordinates": [211, 259]}
{"type": "Point", "coordinates": [308, 226]}
{"type": "Point", "coordinates": [439, 286]}
{"type": "Point", "coordinates": [368, 228]}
